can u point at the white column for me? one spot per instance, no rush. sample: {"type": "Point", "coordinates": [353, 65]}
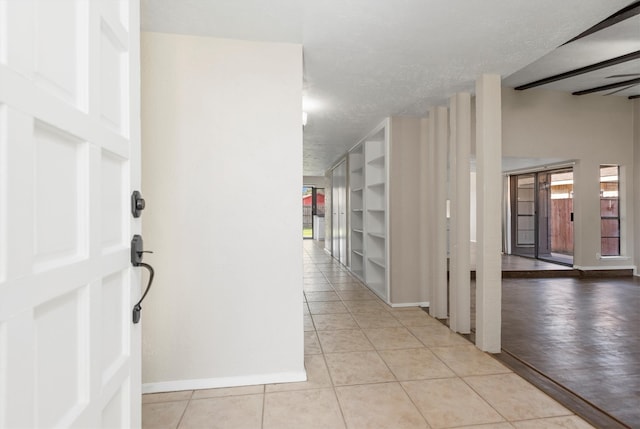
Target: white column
{"type": "Point", "coordinates": [430, 167]}
{"type": "Point", "coordinates": [489, 185]}
{"type": "Point", "coordinates": [459, 222]}
{"type": "Point", "coordinates": [425, 204]}
{"type": "Point", "coordinates": [439, 287]}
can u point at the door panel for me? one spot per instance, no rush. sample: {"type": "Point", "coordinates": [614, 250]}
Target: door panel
{"type": "Point", "coordinates": [59, 58]}
{"type": "Point", "coordinates": [61, 334]}
{"type": "Point", "coordinates": [69, 158]}
{"type": "Point", "coordinates": [60, 197]}
{"type": "Point", "coordinates": [523, 214]}
{"type": "Point", "coordinates": [544, 215]}
{"type": "Point", "coordinates": [556, 227]}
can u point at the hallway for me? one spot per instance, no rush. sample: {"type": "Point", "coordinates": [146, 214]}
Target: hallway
{"type": "Point", "coordinates": [369, 366]}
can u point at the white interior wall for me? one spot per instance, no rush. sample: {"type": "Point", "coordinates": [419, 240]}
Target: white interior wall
{"type": "Point", "coordinates": [591, 130]}
{"type": "Point", "coordinates": [225, 307]}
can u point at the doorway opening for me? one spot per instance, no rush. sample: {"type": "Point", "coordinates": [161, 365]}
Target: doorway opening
{"type": "Point", "coordinates": [312, 212]}
{"type": "Point", "coordinates": [307, 212]}
{"type": "Point", "coordinates": [542, 215]}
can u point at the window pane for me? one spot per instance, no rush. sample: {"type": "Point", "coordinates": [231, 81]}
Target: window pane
{"type": "Point", "coordinates": [525, 208]}
{"type": "Point", "coordinates": [610, 228]}
{"type": "Point", "coordinates": [610, 210]}
{"type": "Point", "coordinates": [610, 246]}
{"type": "Point", "coordinates": [609, 207]}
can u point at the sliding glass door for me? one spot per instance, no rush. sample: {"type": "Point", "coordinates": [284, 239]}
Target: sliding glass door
{"type": "Point", "coordinates": [542, 215]}
{"type": "Point", "coordinates": [555, 220]}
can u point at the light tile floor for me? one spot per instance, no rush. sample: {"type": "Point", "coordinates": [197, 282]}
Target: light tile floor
{"type": "Point", "coordinates": [369, 366]}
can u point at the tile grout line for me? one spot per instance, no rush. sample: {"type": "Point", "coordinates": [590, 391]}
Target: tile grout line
{"type": "Point", "coordinates": [334, 387]}
{"type": "Point", "coordinates": [264, 404]}
{"type": "Point", "coordinates": [485, 400]}
{"type": "Point", "coordinates": [414, 404]}
{"type": "Point", "coordinates": [385, 362]}
{"type": "Point", "coordinates": [324, 359]}
{"type": "Point", "coordinates": [394, 375]}
{"type": "Point", "coordinates": [185, 409]}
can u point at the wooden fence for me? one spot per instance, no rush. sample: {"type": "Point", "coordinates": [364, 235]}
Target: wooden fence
{"type": "Point", "coordinates": [307, 217]}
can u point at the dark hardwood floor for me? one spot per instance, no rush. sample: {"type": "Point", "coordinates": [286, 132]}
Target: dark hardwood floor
{"type": "Point", "coordinates": [575, 335]}
{"type": "Point", "coordinates": [584, 335]}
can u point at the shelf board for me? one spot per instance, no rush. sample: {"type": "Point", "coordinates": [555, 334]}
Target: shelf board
{"type": "Point", "coordinates": [377, 235]}
{"type": "Point", "coordinates": [377, 160]}
{"type": "Point", "coordinates": [378, 261]}
{"type": "Point", "coordinates": [356, 189]}
{"type": "Point", "coordinates": [376, 185]}
{"type": "Point", "coordinates": [357, 230]}
{"type": "Point", "coordinates": [357, 170]}
{"type": "Point", "coordinates": [358, 252]}
{"type": "Point", "coordinates": [376, 210]}
{"type": "Point", "coordinates": [357, 210]}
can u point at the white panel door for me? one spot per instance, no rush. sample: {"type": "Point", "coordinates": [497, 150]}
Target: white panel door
{"type": "Point", "coordinates": [69, 159]}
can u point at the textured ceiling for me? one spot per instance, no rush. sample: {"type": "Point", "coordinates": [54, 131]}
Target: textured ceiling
{"type": "Point", "coordinates": [615, 41]}
{"type": "Point", "coordinates": [365, 60]}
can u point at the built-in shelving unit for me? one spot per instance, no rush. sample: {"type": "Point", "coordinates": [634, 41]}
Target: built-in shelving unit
{"type": "Point", "coordinates": [375, 216]}
{"type": "Point", "coordinates": [356, 222]}
{"type": "Point", "coordinates": [384, 174]}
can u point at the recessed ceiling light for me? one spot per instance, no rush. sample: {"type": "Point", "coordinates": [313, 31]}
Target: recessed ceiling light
{"type": "Point", "coordinates": [311, 104]}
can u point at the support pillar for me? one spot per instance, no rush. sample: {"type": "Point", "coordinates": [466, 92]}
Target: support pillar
{"type": "Point", "coordinates": [425, 207]}
{"type": "Point", "coordinates": [430, 168]}
{"type": "Point", "coordinates": [438, 304]}
{"type": "Point", "coordinates": [459, 222]}
{"type": "Point", "coordinates": [489, 196]}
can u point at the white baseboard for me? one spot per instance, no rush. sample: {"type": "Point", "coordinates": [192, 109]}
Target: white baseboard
{"type": "Point", "coordinates": [410, 304]}
{"type": "Point", "coordinates": [212, 383]}
{"type": "Point", "coordinates": [605, 267]}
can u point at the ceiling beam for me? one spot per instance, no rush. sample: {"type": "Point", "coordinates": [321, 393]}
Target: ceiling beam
{"type": "Point", "coordinates": [626, 13]}
{"type": "Point", "coordinates": [582, 70]}
{"type": "Point", "coordinates": [610, 86]}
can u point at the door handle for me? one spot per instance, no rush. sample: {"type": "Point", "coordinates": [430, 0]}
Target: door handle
{"type": "Point", "coordinates": [137, 252]}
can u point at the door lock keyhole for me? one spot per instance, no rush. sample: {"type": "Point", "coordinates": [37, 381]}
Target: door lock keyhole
{"type": "Point", "coordinates": [137, 204]}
